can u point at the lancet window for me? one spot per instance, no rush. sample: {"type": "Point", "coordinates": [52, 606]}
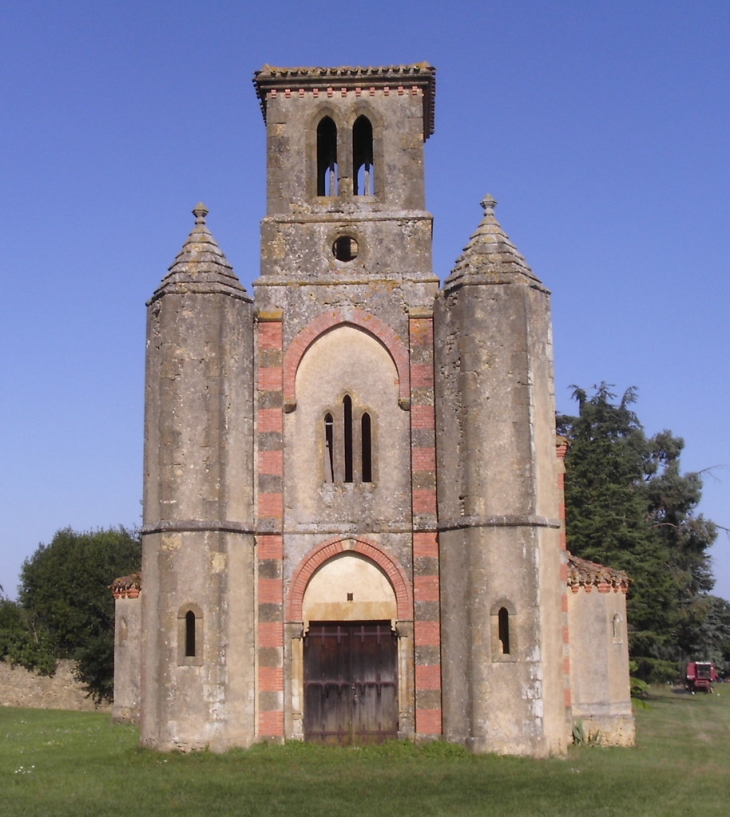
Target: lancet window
{"type": "Point", "coordinates": [503, 630]}
{"type": "Point", "coordinates": [190, 635]}
{"type": "Point", "coordinates": [348, 444]}
{"type": "Point", "coordinates": [327, 172]}
{"type": "Point", "coordinates": [362, 157]}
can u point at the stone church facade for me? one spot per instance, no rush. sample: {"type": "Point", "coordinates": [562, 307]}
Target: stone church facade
{"type": "Point", "coordinates": [352, 490]}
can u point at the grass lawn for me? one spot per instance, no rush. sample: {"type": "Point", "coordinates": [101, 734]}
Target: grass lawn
{"type": "Point", "coordinates": [56, 763]}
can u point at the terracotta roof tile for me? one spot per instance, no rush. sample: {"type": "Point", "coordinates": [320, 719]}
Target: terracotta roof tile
{"type": "Point", "coordinates": [127, 586]}
{"type": "Point", "coordinates": [581, 573]}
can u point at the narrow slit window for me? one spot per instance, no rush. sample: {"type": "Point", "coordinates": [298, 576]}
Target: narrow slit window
{"type": "Point", "coordinates": [190, 634]}
{"type": "Point", "coordinates": [367, 449]}
{"type": "Point", "coordinates": [329, 448]}
{"type": "Point", "coordinates": [362, 157]}
{"type": "Point", "coordinates": [327, 181]}
{"type": "Point", "coordinates": [347, 416]}
{"type": "Point", "coordinates": [503, 624]}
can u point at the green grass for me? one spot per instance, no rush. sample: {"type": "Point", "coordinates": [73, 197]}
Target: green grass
{"type": "Point", "coordinates": [63, 763]}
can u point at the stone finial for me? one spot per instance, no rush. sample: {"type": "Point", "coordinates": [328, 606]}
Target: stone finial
{"type": "Point", "coordinates": [489, 203]}
{"type": "Point", "coordinates": [489, 255]}
{"type": "Point", "coordinates": [200, 212]}
{"type": "Point", "coordinates": [200, 264]}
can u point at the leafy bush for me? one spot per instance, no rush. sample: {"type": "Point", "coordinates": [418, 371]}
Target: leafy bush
{"type": "Point", "coordinates": [65, 607]}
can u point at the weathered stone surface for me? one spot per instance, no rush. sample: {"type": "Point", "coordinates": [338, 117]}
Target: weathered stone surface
{"type": "Point", "coordinates": [20, 687]}
{"type": "Point", "coordinates": [356, 447]}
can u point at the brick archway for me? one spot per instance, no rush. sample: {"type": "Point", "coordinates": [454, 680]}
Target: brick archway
{"type": "Point", "coordinates": [380, 330]}
{"type": "Point", "coordinates": [322, 553]}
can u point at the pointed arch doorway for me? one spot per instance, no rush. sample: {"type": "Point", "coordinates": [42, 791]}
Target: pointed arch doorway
{"type": "Point", "coordinates": [350, 653]}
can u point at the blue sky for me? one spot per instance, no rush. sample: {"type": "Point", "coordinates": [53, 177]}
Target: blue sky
{"type": "Point", "coordinates": [600, 127]}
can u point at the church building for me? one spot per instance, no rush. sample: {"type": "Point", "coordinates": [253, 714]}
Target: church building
{"type": "Point", "coordinates": [352, 483]}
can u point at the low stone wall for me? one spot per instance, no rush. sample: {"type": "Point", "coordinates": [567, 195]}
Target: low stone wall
{"type": "Point", "coordinates": [20, 687]}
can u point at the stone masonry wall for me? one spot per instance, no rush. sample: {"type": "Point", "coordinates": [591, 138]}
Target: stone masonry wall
{"type": "Point", "coordinates": [20, 687]}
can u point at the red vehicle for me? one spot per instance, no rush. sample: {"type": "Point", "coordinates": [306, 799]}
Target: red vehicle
{"type": "Point", "coordinates": [700, 676]}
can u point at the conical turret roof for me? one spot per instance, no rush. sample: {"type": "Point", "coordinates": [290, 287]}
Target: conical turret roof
{"type": "Point", "coordinates": [490, 257]}
{"type": "Point", "coordinates": [201, 265]}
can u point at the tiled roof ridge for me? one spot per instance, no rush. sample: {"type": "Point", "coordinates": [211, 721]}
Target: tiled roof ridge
{"type": "Point", "coordinates": [344, 70]}
{"type": "Point", "coordinates": [583, 573]}
{"type": "Point", "coordinates": [127, 586]}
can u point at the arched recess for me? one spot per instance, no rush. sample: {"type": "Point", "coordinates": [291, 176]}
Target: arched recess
{"type": "Point", "coordinates": [349, 587]}
{"type": "Point", "coordinates": [370, 550]}
{"type": "Point", "coordinates": [380, 330]}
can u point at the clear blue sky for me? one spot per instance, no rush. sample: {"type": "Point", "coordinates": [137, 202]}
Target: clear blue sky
{"type": "Point", "coordinates": [600, 127]}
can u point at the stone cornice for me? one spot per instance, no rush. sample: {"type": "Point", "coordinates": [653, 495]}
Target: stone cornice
{"type": "Point", "coordinates": [196, 526]}
{"type": "Point", "coordinates": [396, 79]}
{"type": "Point", "coordinates": [526, 520]}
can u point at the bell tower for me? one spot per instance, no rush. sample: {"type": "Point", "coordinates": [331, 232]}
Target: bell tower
{"type": "Point", "coordinates": [345, 180]}
{"type": "Point", "coordinates": [345, 380]}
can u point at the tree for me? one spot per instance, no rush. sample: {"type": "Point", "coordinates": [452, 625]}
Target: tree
{"type": "Point", "coordinates": [629, 506]}
{"type": "Point", "coordinates": [21, 643]}
{"type": "Point", "coordinates": [713, 643]}
{"type": "Point", "coordinates": [64, 592]}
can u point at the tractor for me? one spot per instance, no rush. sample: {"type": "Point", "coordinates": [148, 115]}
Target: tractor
{"type": "Point", "coordinates": [700, 676]}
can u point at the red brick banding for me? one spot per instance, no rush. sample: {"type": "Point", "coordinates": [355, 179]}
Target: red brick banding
{"type": "Point", "coordinates": [428, 677]}
{"type": "Point", "coordinates": [426, 584]}
{"type": "Point", "coordinates": [322, 553]}
{"type": "Point", "coordinates": [424, 500]}
{"type": "Point", "coordinates": [270, 334]}
{"type": "Point", "coordinates": [270, 420]}
{"type": "Point", "coordinates": [426, 545]}
{"type": "Point", "coordinates": [269, 546]}
{"type": "Point", "coordinates": [271, 506]}
{"type": "Point", "coordinates": [423, 417]}
{"type": "Point", "coordinates": [271, 634]}
{"type": "Point", "coordinates": [428, 721]}
{"type": "Point", "coordinates": [427, 633]}
{"type": "Point", "coordinates": [270, 378]}
{"type": "Point", "coordinates": [271, 462]}
{"type": "Point", "coordinates": [423, 459]}
{"type": "Point", "coordinates": [327, 321]}
{"type": "Point", "coordinates": [421, 375]}
{"type": "Point", "coordinates": [271, 679]}
{"type": "Point", "coordinates": [271, 724]}
{"type": "Point", "coordinates": [426, 588]}
{"type": "Point", "coordinates": [270, 591]}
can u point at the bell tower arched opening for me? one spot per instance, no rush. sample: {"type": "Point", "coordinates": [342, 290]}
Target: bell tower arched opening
{"type": "Point", "coordinates": [363, 171]}
{"type": "Point", "coordinates": [327, 171]}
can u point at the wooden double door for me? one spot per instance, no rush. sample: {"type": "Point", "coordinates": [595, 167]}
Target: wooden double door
{"type": "Point", "coordinates": [350, 682]}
